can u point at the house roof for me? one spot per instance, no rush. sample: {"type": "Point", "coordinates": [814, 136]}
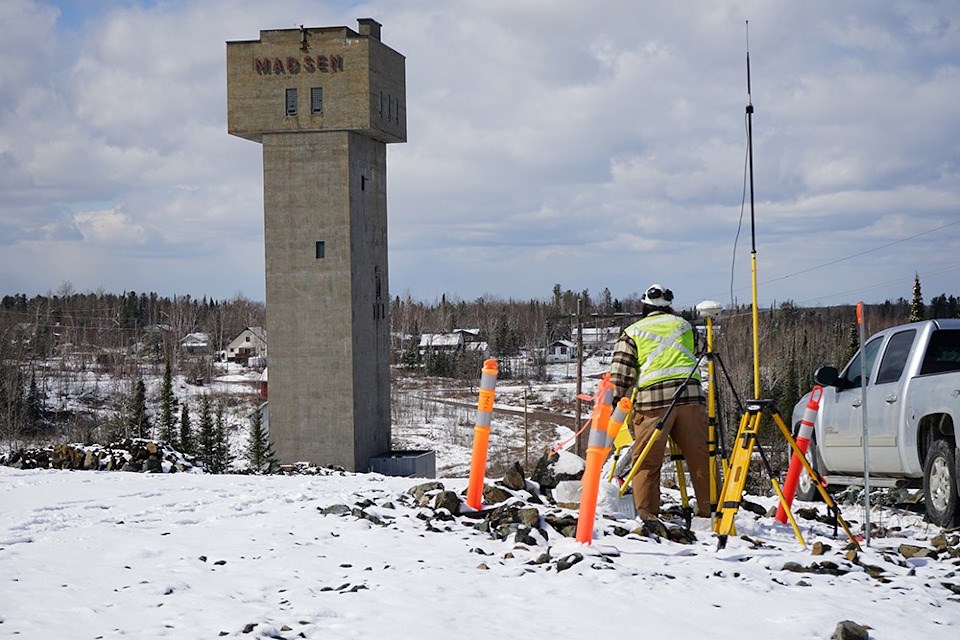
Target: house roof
{"type": "Point", "coordinates": [195, 339]}
{"type": "Point", "coordinates": [440, 340]}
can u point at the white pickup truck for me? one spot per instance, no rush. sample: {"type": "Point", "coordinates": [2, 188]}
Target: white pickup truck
{"type": "Point", "coordinates": [912, 407]}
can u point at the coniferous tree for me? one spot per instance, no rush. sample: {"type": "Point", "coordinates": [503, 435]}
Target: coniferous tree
{"type": "Point", "coordinates": [206, 443]}
{"type": "Point", "coordinates": [260, 453]}
{"type": "Point", "coordinates": [221, 449]}
{"type": "Point", "coordinates": [139, 421]}
{"type": "Point", "coordinates": [168, 408]}
{"type": "Point", "coordinates": [34, 406]}
{"type": "Point", "coordinates": [186, 432]}
{"type": "Point", "coordinates": [916, 304]}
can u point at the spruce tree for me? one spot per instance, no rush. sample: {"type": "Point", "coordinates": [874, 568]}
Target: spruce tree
{"type": "Point", "coordinates": [221, 450]}
{"type": "Point", "coordinates": [139, 422]}
{"type": "Point", "coordinates": [168, 408]}
{"type": "Point", "coordinates": [186, 433]}
{"type": "Point", "coordinates": [916, 304]}
{"type": "Point", "coordinates": [260, 453]}
{"type": "Point", "coordinates": [205, 436]}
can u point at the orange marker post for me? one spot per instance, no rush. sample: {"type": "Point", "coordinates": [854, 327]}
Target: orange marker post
{"type": "Point", "coordinates": [597, 450]}
{"type": "Point", "coordinates": [803, 443]}
{"type": "Point", "coordinates": [481, 433]}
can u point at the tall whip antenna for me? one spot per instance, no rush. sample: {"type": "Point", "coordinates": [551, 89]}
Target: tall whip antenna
{"type": "Point", "coordinates": [753, 232]}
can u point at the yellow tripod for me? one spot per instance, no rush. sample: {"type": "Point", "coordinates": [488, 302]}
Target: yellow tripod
{"type": "Point", "coordinates": [739, 465]}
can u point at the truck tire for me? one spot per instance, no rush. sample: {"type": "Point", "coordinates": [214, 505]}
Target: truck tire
{"type": "Point", "coordinates": [806, 487]}
{"type": "Point", "coordinates": [940, 484]}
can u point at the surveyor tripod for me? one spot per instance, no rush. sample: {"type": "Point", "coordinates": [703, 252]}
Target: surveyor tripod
{"type": "Point", "coordinates": [735, 478]}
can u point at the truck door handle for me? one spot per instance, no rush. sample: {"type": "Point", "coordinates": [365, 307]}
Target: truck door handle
{"type": "Point", "coordinates": [890, 399]}
{"type": "Point", "coordinates": [856, 403]}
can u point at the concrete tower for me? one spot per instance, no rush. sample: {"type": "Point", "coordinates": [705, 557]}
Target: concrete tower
{"type": "Point", "coordinates": [324, 102]}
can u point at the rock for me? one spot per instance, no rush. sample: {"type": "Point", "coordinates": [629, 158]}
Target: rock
{"type": "Point", "coordinates": [913, 551]}
{"type": "Point", "coordinates": [654, 527]}
{"type": "Point", "coordinates": [514, 478]}
{"type": "Point", "coordinates": [495, 495]}
{"type": "Point", "coordinates": [565, 525]}
{"type": "Point", "coordinates": [153, 465]}
{"type": "Point", "coordinates": [851, 556]}
{"type": "Point", "coordinates": [448, 500]}
{"type": "Point", "coordinates": [553, 468]}
{"type": "Point", "coordinates": [849, 630]}
{"type": "Point", "coordinates": [795, 567]}
{"type": "Point", "coordinates": [807, 513]}
{"type": "Point", "coordinates": [335, 510]}
{"type": "Point", "coordinates": [939, 542]}
{"type": "Point", "coordinates": [568, 561]}
{"type": "Point", "coordinates": [819, 549]}
{"type": "Point", "coordinates": [753, 507]}
{"type": "Point", "coordinates": [682, 535]}
{"type": "Point", "coordinates": [420, 490]}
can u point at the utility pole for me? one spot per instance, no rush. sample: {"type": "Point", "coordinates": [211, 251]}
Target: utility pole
{"type": "Point", "coordinates": [585, 434]}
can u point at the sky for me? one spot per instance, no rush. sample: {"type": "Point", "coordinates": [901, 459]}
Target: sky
{"type": "Point", "coordinates": [591, 145]}
{"type": "Point", "coordinates": [125, 555]}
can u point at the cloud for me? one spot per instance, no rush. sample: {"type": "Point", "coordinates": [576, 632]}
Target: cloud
{"type": "Point", "coordinates": [548, 142]}
{"type": "Point", "coordinates": [108, 227]}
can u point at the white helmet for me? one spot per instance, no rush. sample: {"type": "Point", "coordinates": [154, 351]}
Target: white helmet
{"type": "Point", "coordinates": [657, 295]}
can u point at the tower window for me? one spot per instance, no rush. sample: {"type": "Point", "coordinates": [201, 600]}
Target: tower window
{"type": "Point", "coordinates": [291, 102]}
{"type": "Point", "coordinates": [320, 249]}
{"type": "Point", "coordinates": [316, 100]}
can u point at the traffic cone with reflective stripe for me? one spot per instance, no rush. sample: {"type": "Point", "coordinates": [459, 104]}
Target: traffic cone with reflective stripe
{"type": "Point", "coordinates": [598, 447]}
{"type": "Point", "coordinates": [803, 443]}
{"type": "Point", "coordinates": [481, 433]}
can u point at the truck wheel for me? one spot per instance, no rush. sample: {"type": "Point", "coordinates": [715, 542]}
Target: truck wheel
{"type": "Point", "coordinates": [940, 484]}
{"type": "Point", "coordinates": [806, 487]}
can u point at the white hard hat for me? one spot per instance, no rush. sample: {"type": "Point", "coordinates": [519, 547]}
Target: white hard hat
{"type": "Point", "coordinates": [657, 295]}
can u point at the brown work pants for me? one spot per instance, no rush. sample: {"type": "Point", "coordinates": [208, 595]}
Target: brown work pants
{"type": "Point", "coordinates": [687, 425]}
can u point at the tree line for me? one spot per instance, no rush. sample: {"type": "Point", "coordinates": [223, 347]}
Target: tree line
{"type": "Point", "coordinates": [51, 345]}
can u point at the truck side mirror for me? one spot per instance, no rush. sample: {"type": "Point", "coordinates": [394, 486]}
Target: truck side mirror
{"type": "Point", "coordinates": [826, 376]}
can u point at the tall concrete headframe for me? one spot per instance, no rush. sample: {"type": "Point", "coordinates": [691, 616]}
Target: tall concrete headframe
{"type": "Point", "coordinates": [324, 102]}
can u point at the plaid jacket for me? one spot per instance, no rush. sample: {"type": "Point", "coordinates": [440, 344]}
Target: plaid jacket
{"type": "Point", "coordinates": [659, 395]}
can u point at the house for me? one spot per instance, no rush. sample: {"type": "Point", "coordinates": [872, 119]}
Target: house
{"type": "Point", "coordinates": [251, 343]}
{"type": "Point", "coordinates": [195, 343]}
{"type": "Point", "coordinates": [446, 342]}
{"type": "Point", "coordinates": [561, 351]}
{"type": "Point", "coordinates": [457, 341]}
{"type": "Point", "coordinates": [597, 337]}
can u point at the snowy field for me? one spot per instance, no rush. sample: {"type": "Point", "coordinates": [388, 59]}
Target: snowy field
{"type": "Point", "coordinates": [125, 555]}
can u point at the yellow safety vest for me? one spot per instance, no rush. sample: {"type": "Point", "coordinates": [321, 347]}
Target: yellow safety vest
{"type": "Point", "coordinates": [664, 348]}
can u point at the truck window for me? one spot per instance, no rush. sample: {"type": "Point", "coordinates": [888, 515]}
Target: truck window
{"type": "Point", "coordinates": [943, 352]}
{"type": "Point", "coordinates": [851, 375]}
{"type": "Point", "coordinates": [895, 356]}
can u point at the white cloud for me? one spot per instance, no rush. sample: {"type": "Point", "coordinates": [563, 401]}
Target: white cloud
{"type": "Point", "coordinates": [539, 132]}
{"type": "Point", "coordinates": [108, 227]}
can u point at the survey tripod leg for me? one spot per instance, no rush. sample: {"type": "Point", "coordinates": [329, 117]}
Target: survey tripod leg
{"type": "Point", "coordinates": [815, 477]}
{"type": "Point", "coordinates": [740, 458]}
{"type": "Point", "coordinates": [742, 452]}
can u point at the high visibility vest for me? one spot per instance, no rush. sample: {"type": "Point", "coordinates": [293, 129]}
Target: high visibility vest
{"type": "Point", "coordinates": [664, 349]}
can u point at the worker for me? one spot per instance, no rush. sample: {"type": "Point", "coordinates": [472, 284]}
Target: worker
{"type": "Point", "coordinates": [656, 354]}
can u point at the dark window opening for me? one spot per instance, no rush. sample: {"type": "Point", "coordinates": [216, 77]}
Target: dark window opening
{"type": "Point", "coordinates": [291, 102]}
{"type": "Point", "coordinates": [895, 356]}
{"type": "Point", "coordinates": [943, 352]}
{"type": "Point", "coordinates": [321, 250]}
{"type": "Point", "coordinates": [316, 100]}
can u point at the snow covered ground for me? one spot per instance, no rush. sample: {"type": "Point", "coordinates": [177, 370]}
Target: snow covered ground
{"type": "Point", "coordinates": [126, 555]}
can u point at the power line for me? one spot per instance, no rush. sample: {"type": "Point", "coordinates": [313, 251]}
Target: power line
{"type": "Point", "coordinates": [850, 257]}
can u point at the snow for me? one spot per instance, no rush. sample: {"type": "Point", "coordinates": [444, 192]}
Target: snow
{"type": "Point", "coordinates": [113, 555]}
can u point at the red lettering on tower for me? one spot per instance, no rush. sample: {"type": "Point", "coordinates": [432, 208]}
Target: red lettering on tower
{"type": "Point", "coordinates": [278, 66]}
{"type": "Point", "coordinates": [308, 65]}
{"type": "Point", "coordinates": [293, 65]}
{"type": "Point", "coordinates": [262, 66]}
{"type": "Point", "coordinates": [322, 63]}
{"type": "Point", "coordinates": [336, 63]}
